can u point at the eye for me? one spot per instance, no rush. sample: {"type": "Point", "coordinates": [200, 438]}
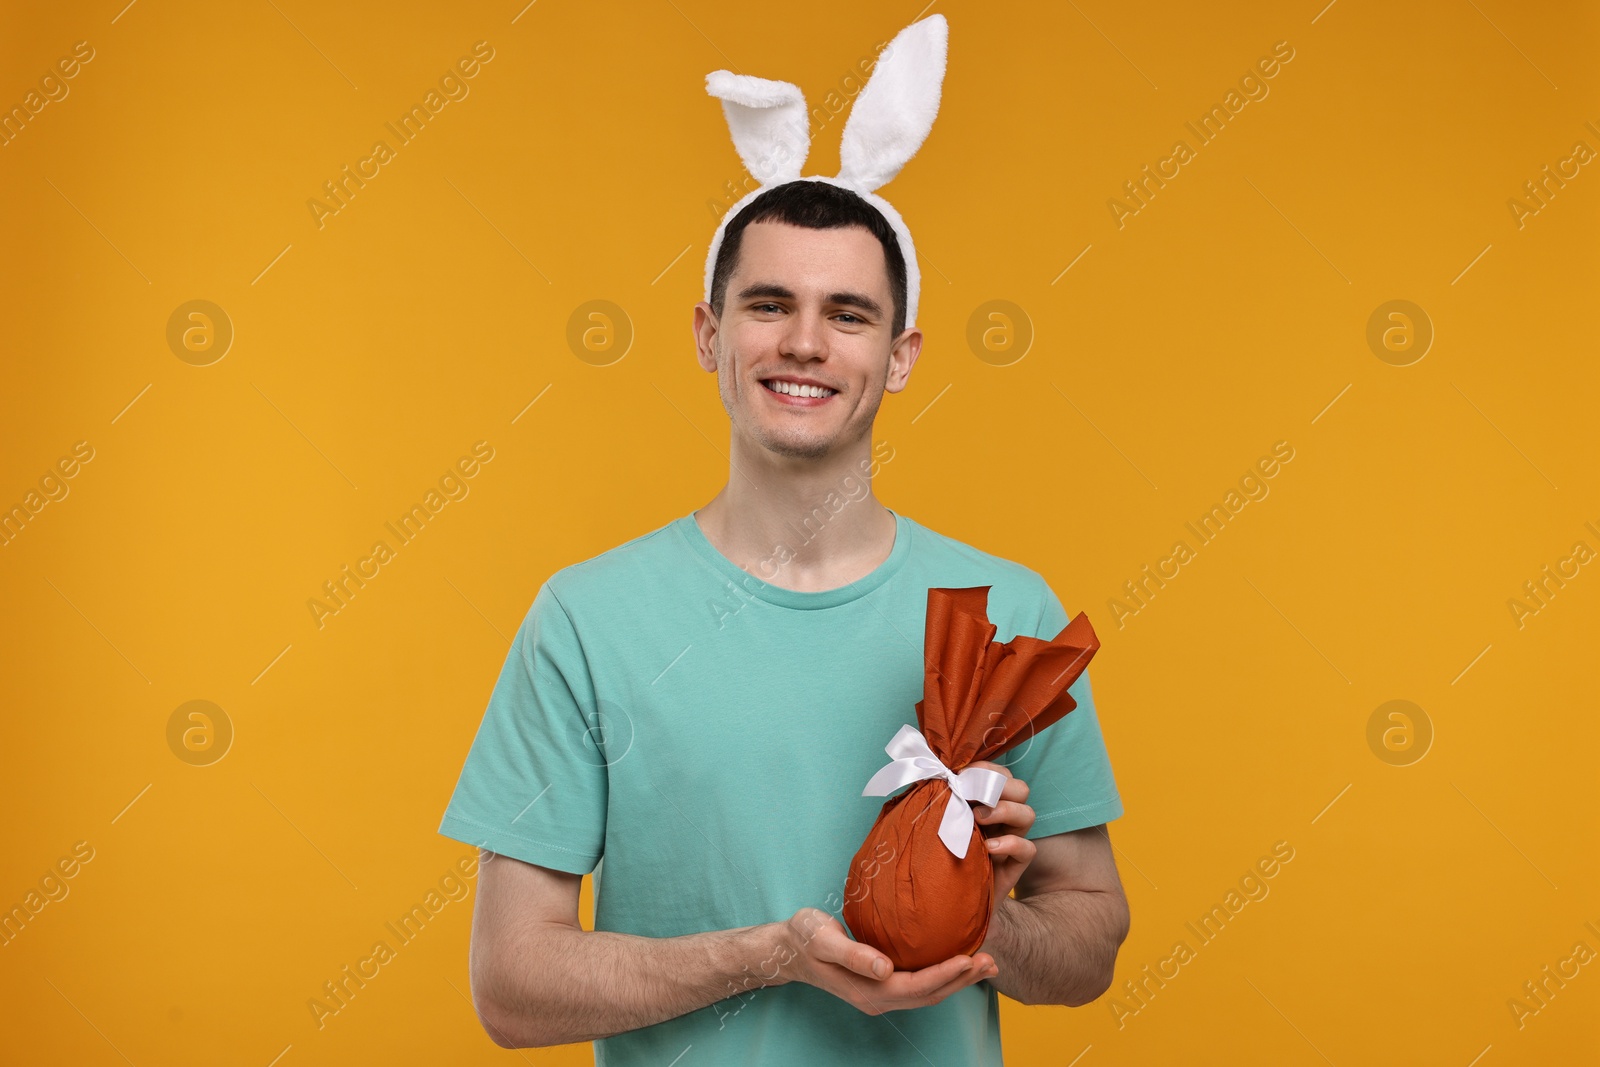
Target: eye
{"type": "Point", "coordinates": [763, 307]}
{"type": "Point", "coordinates": [851, 315]}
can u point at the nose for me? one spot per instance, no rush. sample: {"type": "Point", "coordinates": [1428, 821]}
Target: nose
{"type": "Point", "coordinates": [804, 338]}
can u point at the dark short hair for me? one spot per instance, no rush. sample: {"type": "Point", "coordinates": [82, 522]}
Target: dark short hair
{"type": "Point", "coordinates": [816, 206]}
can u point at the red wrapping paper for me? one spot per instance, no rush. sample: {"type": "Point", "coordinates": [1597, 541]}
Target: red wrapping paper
{"type": "Point", "coordinates": [906, 893]}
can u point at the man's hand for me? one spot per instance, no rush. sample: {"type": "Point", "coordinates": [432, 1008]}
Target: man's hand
{"type": "Point", "coordinates": [820, 952]}
{"type": "Point", "coordinates": [1003, 826]}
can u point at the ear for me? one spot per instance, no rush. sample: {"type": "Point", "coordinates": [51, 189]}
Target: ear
{"type": "Point", "coordinates": [769, 122]}
{"type": "Point", "coordinates": [902, 357]}
{"type": "Point", "coordinates": [893, 114]}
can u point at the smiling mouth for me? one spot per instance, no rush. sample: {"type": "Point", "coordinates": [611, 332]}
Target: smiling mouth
{"type": "Point", "coordinates": [799, 392]}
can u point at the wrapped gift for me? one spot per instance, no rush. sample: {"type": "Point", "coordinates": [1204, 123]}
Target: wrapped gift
{"type": "Point", "coordinates": [921, 887]}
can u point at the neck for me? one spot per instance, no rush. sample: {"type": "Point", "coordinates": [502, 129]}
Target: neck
{"type": "Point", "coordinates": [804, 524]}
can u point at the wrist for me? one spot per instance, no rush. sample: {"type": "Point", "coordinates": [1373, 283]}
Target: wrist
{"type": "Point", "coordinates": [788, 951]}
{"type": "Point", "coordinates": [766, 955]}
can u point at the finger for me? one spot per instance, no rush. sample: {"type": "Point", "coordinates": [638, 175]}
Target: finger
{"type": "Point", "coordinates": [1007, 813]}
{"type": "Point", "coordinates": [1013, 785]}
{"type": "Point", "coordinates": [913, 985]}
{"type": "Point", "coordinates": [833, 946]}
{"type": "Point", "coordinates": [1011, 847]}
{"type": "Point", "coordinates": [981, 969]}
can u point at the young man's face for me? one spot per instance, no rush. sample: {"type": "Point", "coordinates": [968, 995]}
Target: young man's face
{"type": "Point", "coordinates": [813, 306]}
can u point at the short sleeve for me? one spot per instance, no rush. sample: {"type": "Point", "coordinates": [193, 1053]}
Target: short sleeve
{"type": "Point", "coordinates": [534, 783]}
{"type": "Point", "coordinates": [1066, 766]}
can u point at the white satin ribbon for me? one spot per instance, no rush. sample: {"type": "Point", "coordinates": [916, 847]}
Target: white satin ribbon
{"type": "Point", "coordinates": [914, 761]}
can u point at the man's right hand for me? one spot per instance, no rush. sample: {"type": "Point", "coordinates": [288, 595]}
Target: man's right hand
{"type": "Point", "coordinates": [820, 952]}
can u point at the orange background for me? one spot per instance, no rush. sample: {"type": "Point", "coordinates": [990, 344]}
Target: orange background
{"type": "Point", "coordinates": [586, 163]}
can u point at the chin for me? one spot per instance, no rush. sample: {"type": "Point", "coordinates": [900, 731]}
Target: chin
{"type": "Point", "coordinates": [793, 445]}
{"type": "Point", "coordinates": [811, 449]}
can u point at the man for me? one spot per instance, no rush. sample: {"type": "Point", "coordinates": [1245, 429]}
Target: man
{"type": "Point", "coordinates": [701, 706]}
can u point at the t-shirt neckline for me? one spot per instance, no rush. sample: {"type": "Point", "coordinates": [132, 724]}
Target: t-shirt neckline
{"type": "Point", "coordinates": [750, 582]}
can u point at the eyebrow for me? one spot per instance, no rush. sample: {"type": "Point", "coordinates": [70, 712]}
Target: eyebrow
{"type": "Point", "coordinates": [782, 292]}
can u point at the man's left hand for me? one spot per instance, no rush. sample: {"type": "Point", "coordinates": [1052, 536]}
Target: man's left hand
{"type": "Point", "coordinates": [1003, 827]}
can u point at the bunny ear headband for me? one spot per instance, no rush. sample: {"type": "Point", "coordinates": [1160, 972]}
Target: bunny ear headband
{"type": "Point", "coordinates": [888, 122]}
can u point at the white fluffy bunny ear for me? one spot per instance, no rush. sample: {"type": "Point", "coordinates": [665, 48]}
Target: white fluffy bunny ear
{"type": "Point", "coordinates": [893, 114]}
{"type": "Point", "coordinates": [769, 122]}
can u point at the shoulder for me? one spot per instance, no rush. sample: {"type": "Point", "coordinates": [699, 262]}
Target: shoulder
{"type": "Point", "coordinates": [948, 551]}
{"type": "Point", "coordinates": [612, 575]}
{"type": "Point", "coordinates": [952, 562]}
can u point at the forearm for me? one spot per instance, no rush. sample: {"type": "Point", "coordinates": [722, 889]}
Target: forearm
{"type": "Point", "coordinates": [559, 984]}
{"type": "Point", "coordinates": [1057, 948]}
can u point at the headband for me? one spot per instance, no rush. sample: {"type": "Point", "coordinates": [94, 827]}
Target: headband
{"type": "Point", "coordinates": [888, 122]}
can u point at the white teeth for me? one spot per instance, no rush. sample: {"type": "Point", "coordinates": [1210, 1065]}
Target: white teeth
{"type": "Point", "coordinates": [792, 389]}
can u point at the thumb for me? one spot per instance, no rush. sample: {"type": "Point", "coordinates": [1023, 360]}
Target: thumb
{"type": "Point", "coordinates": [835, 946]}
{"type": "Point", "coordinates": [829, 943]}
{"type": "Point", "coordinates": [868, 961]}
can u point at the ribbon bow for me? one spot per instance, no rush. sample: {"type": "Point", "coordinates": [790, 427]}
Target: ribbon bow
{"type": "Point", "coordinates": [914, 761]}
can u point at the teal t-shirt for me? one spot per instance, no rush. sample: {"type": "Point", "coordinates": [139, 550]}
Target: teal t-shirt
{"type": "Point", "coordinates": [707, 735]}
